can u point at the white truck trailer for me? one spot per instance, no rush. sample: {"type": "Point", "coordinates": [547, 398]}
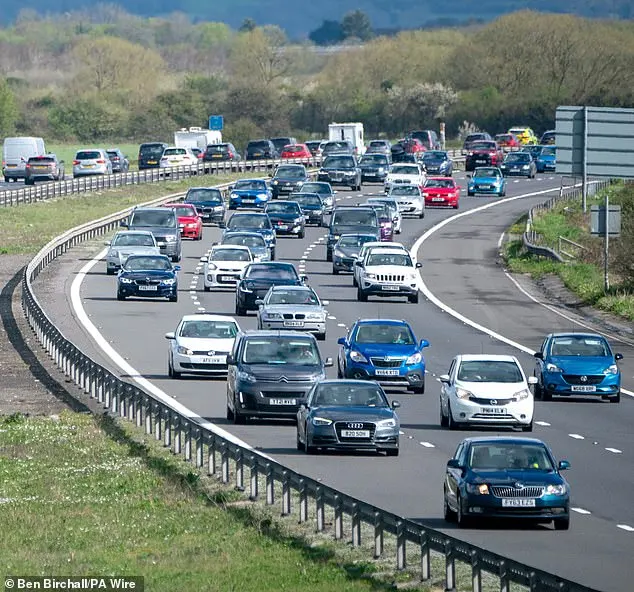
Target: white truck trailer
{"type": "Point", "coordinates": [196, 137]}
{"type": "Point", "coordinates": [353, 132]}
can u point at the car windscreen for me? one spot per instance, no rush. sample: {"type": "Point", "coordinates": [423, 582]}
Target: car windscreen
{"type": "Point", "coordinates": [489, 371]}
{"type": "Point", "coordinates": [271, 272]}
{"type": "Point", "coordinates": [548, 151]}
{"type": "Point", "coordinates": [404, 170]}
{"type": "Point", "coordinates": [346, 395]}
{"type": "Point", "coordinates": [208, 195]}
{"type": "Point", "coordinates": [133, 240]}
{"type": "Point", "coordinates": [405, 190]}
{"type": "Point", "coordinates": [354, 218]}
{"type": "Point", "coordinates": [434, 155]}
{"type": "Point", "coordinates": [338, 162]}
{"type": "Point", "coordinates": [402, 259]}
{"type": "Point", "coordinates": [385, 333]}
{"type": "Point", "coordinates": [579, 346]}
{"type": "Point", "coordinates": [378, 144]}
{"type": "Point", "coordinates": [207, 329]}
{"type": "Point", "coordinates": [355, 240]}
{"type": "Point", "coordinates": [148, 264]}
{"type": "Point", "coordinates": [373, 159]}
{"type": "Point", "coordinates": [283, 208]}
{"type": "Point", "coordinates": [321, 188]}
{"type": "Point", "coordinates": [290, 172]}
{"type": "Point", "coordinates": [157, 218]}
{"type": "Point", "coordinates": [518, 157]}
{"type": "Point", "coordinates": [88, 155]}
{"type": "Point", "coordinates": [250, 185]}
{"type": "Point", "coordinates": [183, 211]}
{"type": "Point", "coordinates": [230, 255]}
{"type": "Point", "coordinates": [503, 456]}
{"type": "Point", "coordinates": [440, 183]}
{"type": "Point", "coordinates": [151, 151]}
{"type": "Point", "coordinates": [249, 221]}
{"type": "Point", "coordinates": [247, 240]}
{"type": "Point", "coordinates": [307, 199]}
{"type": "Point", "coordinates": [293, 297]}
{"type": "Point", "coordinates": [486, 173]}
{"type": "Point", "coordinates": [280, 351]}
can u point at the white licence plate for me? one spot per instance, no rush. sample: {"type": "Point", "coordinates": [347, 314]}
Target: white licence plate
{"type": "Point", "coordinates": [282, 226]}
{"type": "Point", "coordinates": [492, 410]}
{"type": "Point", "coordinates": [227, 278]}
{"type": "Point", "coordinates": [583, 388]}
{"type": "Point", "coordinates": [355, 433]}
{"type": "Point", "coordinates": [390, 288]}
{"type": "Point", "coordinates": [518, 503]}
{"type": "Point", "coordinates": [293, 323]}
{"type": "Point", "coordinates": [485, 186]}
{"type": "Point", "coordinates": [386, 372]}
{"type": "Point", "coordinates": [148, 288]}
{"type": "Point", "coordinates": [282, 401]}
{"type": "Point", "coordinates": [215, 360]}
{"type": "Point", "coordinates": [248, 200]}
{"type": "Point", "coordinates": [438, 199]}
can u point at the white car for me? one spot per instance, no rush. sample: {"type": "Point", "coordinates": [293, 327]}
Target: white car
{"type": "Point", "coordinates": [173, 157]}
{"type": "Point", "coordinates": [405, 173]}
{"type": "Point", "coordinates": [224, 265]}
{"type": "Point", "coordinates": [370, 246]}
{"type": "Point", "coordinates": [397, 217]}
{"type": "Point", "coordinates": [486, 389]}
{"type": "Point", "coordinates": [200, 345]}
{"type": "Point", "coordinates": [388, 272]}
{"type": "Point", "coordinates": [129, 242]}
{"type": "Point", "coordinates": [410, 200]}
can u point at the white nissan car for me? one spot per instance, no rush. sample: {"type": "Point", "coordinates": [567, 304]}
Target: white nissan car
{"type": "Point", "coordinates": [405, 173]}
{"type": "Point", "coordinates": [486, 389]}
{"type": "Point", "coordinates": [224, 265]}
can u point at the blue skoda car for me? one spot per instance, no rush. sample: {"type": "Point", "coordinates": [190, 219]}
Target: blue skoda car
{"type": "Point", "coordinates": [577, 364]}
{"type": "Point", "coordinates": [249, 193]}
{"type": "Point", "coordinates": [487, 180]}
{"type": "Point", "coordinates": [148, 276]}
{"type": "Point", "coordinates": [385, 351]}
{"type": "Point", "coordinates": [546, 160]}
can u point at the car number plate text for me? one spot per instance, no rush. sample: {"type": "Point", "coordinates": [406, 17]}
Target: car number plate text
{"type": "Point", "coordinates": [293, 323]}
{"type": "Point", "coordinates": [390, 288]}
{"type": "Point", "coordinates": [283, 401]}
{"type": "Point", "coordinates": [386, 372]}
{"type": "Point", "coordinates": [355, 433]}
{"type": "Point", "coordinates": [518, 503]}
{"type": "Point", "coordinates": [148, 288]}
{"type": "Point", "coordinates": [583, 388]}
{"type": "Point", "coordinates": [492, 410]}
{"type": "Point", "coordinates": [228, 278]}
{"type": "Point", "coordinates": [215, 360]}
{"type": "Point", "coordinates": [438, 199]}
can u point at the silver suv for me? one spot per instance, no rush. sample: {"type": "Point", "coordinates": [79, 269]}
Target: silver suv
{"type": "Point", "coordinates": [163, 224]}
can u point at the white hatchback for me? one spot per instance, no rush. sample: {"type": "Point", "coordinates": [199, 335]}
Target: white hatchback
{"type": "Point", "coordinates": [486, 389]}
{"type": "Point", "coordinates": [224, 264]}
{"type": "Point", "coordinates": [174, 157]}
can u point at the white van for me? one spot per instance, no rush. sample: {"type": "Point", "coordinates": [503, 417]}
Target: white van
{"type": "Point", "coordinates": [15, 154]}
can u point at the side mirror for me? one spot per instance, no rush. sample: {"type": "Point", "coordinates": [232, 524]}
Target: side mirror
{"type": "Point", "coordinates": [176, 268]}
{"type": "Point", "coordinates": [170, 335]}
{"type": "Point", "coordinates": [341, 341]}
{"type": "Point", "coordinates": [230, 188]}
{"type": "Point", "coordinates": [468, 176]}
{"type": "Point", "coordinates": [204, 259]}
{"type": "Point", "coordinates": [395, 219]}
{"type": "Point", "coordinates": [303, 277]}
{"type": "Point", "coordinates": [325, 302]}
{"type": "Point", "coordinates": [230, 360]}
{"type": "Point", "coordinates": [259, 302]}
{"type": "Point", "coordinates": [618, 357]}
{"type": "Point", "coordinates": [160, 244]}
{"type": "Point", "coordinates": [454, 463]}
{"type": "Point", "coordinates": [424, 343]}
{"type": "Point", "coordinates": [444, 378]}
{"type": "Point", "coordinates": [532, 380]}
{"type": "Point", "coordinates": [107, 243]}
{"type": "Point", "coordinates": [358, 263]}
{"type": "Point", "coordinates": [418, 265]}
{"type": "Point", "coordinates": [539, 355]}
{"type": "Point", "coordinates": [270, 174]}
{"type": "Point", "coordinates": [563, 465]}
{"type": "Point", "coordinates": [124, 223]}
{"type": "Point", "coordinates": [328, 363]}
{"type": "Point", "coordinates": [396, 404]}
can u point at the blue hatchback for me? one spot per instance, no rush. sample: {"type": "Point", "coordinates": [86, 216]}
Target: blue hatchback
{"type": "Point", "coordinates": [487, 180]}
{"type": "Point", "coordinates": [385, 351]}
{"type": "Point", "coordinates": [577, 364]}
{"type": "Point", "coordinates": [249, 193]}
{"type": "Point", "coordinates": [546, 159]}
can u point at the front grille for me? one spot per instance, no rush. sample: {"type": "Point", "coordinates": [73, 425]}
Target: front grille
{"type": "Point", "coordinates": [389, 277]}
{"type": "Point", "coordinates": [590, 379]}
{"type": "Point", "coordinates": [494, 417]}
{"type": "Point", "coordinates": [283, 379]}
{"type": "Point", "coordinates": [494, 402]}
{"type": "Point", "coordinates": [147, 282]}
{"type": "Point", "coordinates": [381, 363]}
{"type": "Point", "coordinates": [290, 315]}
{"type": "Point", "coordinates": [198, 366]}
{"type": "Point", "coordinates": [283, 394]}
{"type": "Point", "coordinates": [206, 353]}
{"type": "Point", "coordinates": [346, 425]}
{"type": "Point", "coordinates": [504, 491]}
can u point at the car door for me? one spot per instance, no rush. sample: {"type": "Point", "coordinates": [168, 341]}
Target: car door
{"type": "Point", "coordinates": [540, 363]}
{"type": "Point", "coordinates": [453, 477]}
{"type": "Point", "coordinates": [344, 351]}
{"type": "Point", "coordinates": [445, 389]}
{"type": "Point", "coordinates": [232, 370]}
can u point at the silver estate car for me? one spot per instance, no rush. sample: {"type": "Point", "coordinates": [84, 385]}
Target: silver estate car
{"type": "Point", "coordinates": [94, 161]}
{"type": "Point", "coordinates": [297, 308]}
{"type": "Point", "coordinates": [129, 242]}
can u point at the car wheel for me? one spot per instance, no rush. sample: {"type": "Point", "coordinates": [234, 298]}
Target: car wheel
{"type": "Point", "coordinates": [309, 448]}
{"type": "Point", "coordinates": [470, 193]}
{"type": "Point", "coordinates": [109, 271]}
{"type": "Point", "coordinates": [546, 394]}
{"type": "Point", "coordinates": [240, 310]}
{"type": "Point", "coordinates": [419, 390]}
{"type": "Point", "coordinates": [537, 390]}
{"type": "Point", "coordinates": [300, 444]}
{"type": "Point", "coordinates": [528, 428]}
{"type": "Point", "coordinates": [335, 271]}
{"type": "Point", "coordinates": [616, 398]}
{"type": "Point", "coordinates": [562, 523]}
{"type": "Point", "coordinates": [229, 413]}
{"type": "Point", "coordinates": [328, 255]}
{"type": "Point", "coordinates": [321, 336]}
{"type": "Point", "coordinates": [174, 258]}
{"type": "Point", "coordinates": [272, 254]}
{"type": "Point", "coordinates": [461, 518]}
{"type": "Point", "coordinates": [391, 451]}
{"type": "Point", "coordinates": [503, 194]}
{"type": "Point", "coordinates": [451, 424]}
{"type": "Point", "coordinates": [413, 299]}
{"type": "Point", "coordinates": [448, 514]}
{"type": "Point", "coordinates": [361, 295]}
{"type": "Point", "coordinates": [455, 207]}
{"type": "Point", "coordinates": [301, 234]}
{"type": "Point", "coordinates": [171, 372]}
{"type": "Point", "coordinates": [444, 420]}
{"type": "Point", "coordinates": [207, 288]}
{"type": "Point", "coordinates": [120, 295]}
{"type": "Point", "coordinates": [173, 298]}
{"type": "Point", "coordinates": [354, 281]}
{"type": "Point", "coordinates": [239, 419]}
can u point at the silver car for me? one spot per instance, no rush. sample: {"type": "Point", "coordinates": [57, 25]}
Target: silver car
{"type": "Point", "coordinates": [129, 242]}
{"type": "Point", "coordinates": [93, 161]}
{"type": "Point", "coordinates": [297, 308]}
{"type": "Point", "coordinates": [410, 200]}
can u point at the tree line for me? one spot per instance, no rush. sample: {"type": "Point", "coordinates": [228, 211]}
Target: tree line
{"type": "Point", "coordinates": [113, 76]}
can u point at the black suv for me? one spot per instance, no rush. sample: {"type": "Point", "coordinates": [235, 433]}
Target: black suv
{"type": "Point", "coordinates": [279, 143]}
{"type": "Point", "coordinates": [225, 151]}
{"type": "Point", "coordinates": [288, 178]}
{"type": "Point", "coordinates": [209, 204]}
{"type": "Point", "coordinates": [270, 374]}
{"type": "Point", "coordinates": [258, 278]}
{"type": "Point", "coordinates": [351, 220]}
{"type": "Point", "coordinates": [260, 150]}
{"type": "Point", "coordinates": [287, 217]}
{"type": "Point", "coordinates": [374, 167]}
{"type": "Point", "coordinates": [337, 146]}
{"type": "Point", "coordinates": [341, 169]}
{"type": "Point", "coordinates": [150, 155]}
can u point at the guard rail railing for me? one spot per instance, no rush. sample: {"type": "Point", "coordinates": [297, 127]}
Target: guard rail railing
{"type": "Point", "coordinates": [207, 446]}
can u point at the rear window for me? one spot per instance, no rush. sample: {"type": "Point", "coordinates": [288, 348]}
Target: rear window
{"type": "Point", "coordinates": [172, 151]}
{"type": "Point", "coordinates": [354, 217]}
{"type": "Point", "coordinates": [41, 159]}
{"type": "Point", "coordinates": [88, 155]}
{"type": "Point", "coordinates": [258, 145]}
{"type": "Point", "coordinates": [217, 149]}
{"type": "Point", "coordinates": [209, 195]}
{"type": "Point", "coordinates": [158, 218]}
{"type": "Point", "coordinates": [151, 150]}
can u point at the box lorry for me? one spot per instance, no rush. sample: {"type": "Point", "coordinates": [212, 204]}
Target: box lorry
{"type": "Point", "coordinates": [196, 137]}
{"type": "Point", "coordinates": [353, 132]}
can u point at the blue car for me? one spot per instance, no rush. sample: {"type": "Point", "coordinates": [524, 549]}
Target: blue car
{"type": "Point", "coordinates": [487, 180]}
{"type": "Point", "coordinates": [506, 477]}
{"type": "Point", "coordinates": [577, 364]}
{"type": "Point", "coordinates": [249, 193]}
{"type": "Point", "coordinates": [385, 351]}
{"type": "Point", "coordinates": [148, 276]}
{"type": "Point", "coordinates": [253, 222]}
{"type": "Point", "coordinates": [438, 163]}
{"type": "Point", "coordinates": [546, 159]}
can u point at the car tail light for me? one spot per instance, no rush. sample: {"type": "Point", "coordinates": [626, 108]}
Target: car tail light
{"type": "Point", "coordinates": [115, 158]}
{"type": "Point", "coordinates": [100, 161]}
{"type": "Point", "coordinates": [230, 154]}
{"type": "Point", "coordinates": [75, 162]}
{"type": "Point", "coordinates": [28, 166]}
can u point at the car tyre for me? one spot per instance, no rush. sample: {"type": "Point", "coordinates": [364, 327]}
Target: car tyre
{"type": "Point", "coordinates": [335, 271]}
{"type": "Point", "coordinates": [354, 281]}
{"type": "Point", "coordinates": [109, 271]}
{"type": "Point", "coordinates": [470, 193]}
{"type": "Point", "coordinates": [170, 370]}
{"type": "Point", "coordinates": [238, 418]}
{"type": "Point", "coordinates": [300, 445]}
{"type": "Point", "coordinates": [173, 298]}
{"type": "Point", "coordinates": [546, 394]}
{"type": "Point", "coordinates": [240, 310]}
{"type": "Point", "coordinates": [321, 336]}
{"type": "Point", "coordinates": [413, 299]}
{"type": "Point", "coordinates": [391, 451]}
{"type": "Point", "coordinates": [328, 255]}
{"type": "Point", "coordinates": [562, 523]}
{"type": "Point", "coordinates": [272, 254]}
{"type": "Point", "coordinates": [462, 520]}
{"type": "Point", "coordinates": [616, 398]}
{"type": "Point", "coordinates": [120, 295]}
{"type": "Point", "coordinates": [528, 428]}
{"type": "Point", "coordinates": [451, 424]}
{"type": "Point", "coordinates": [448, 514]}
{"type": "Point", "coordinates": [444, 420]}
{"type": "Point", "coordinates": [229, 414]}
{"type": "Point", "coordinates": [361, 295]}
{"type": "Point", "coordinates": [422, 214]}
{"type": "Point", "coordinates": [309, 448]}
{"type": "Point", "coordinates": [301, 234]}
{"type": "Point", "coordinates": [207, 288]}
{"type": "Point", "coordinates": [175, 258]}
{"type": "Point", "coordinates": [419, 390]}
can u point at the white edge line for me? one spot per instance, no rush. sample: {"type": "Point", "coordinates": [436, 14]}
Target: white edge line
{"type": "Point", "coordinates": [454, 313]}
{"type": "Point", "coordinates": [120, 362]}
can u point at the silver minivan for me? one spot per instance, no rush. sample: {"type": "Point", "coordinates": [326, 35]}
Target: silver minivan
{"type": "Point", "coordinates": [15, 154]}
{"type": "Point", "coordinates": [92, 161]}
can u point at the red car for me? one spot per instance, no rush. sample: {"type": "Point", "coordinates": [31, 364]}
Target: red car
{"type": "Point", "coordinates": [507, 141]}
{"type": "Point", "coordinates": [191, 224]}
{"type": "Point", "coordinates": [296, 151]}
{"type": "Point", "coordinates": [441, 191]}
{"type": "Point", "coordinates": [483, 153]}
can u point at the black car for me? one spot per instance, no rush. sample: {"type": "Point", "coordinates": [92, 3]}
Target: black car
{"type": "Point", "coordinates": [150, 155]}
{"type": "Point", "coordinates": [341, 169]}
{"type": "Point", "coordinates": [260, 150]}
{"type": "Point", "coordinates": [280, 142]}
{"type": "Point", "coordinates": [288, 178]}
{"type": "Point", "coordinates": [270, 373]}
{"type": "Point", "coordinates": [374, 167]}
{"type": "Point", "coordinates": [253, 222]}
{"type": "Point", "coordinates": [519, 164]}
{"type": "Point", "coordinates": [287, 218]}
{"type": "Point", "coordinates": [209, 203]}
{"type": "Point", "coordinates": [351, 220]}
{"type": "Point", "coordinates": [120, 162]}
{"type": "Point", "coordinates": [346, 251]}
{"type": "Point", "coordinates": [437, 162]}
{"type": "Point", "coordinates": [312, 206]}
{"type": "Point", "coordinates": [258, 278]}
{"type": "Point", "coordinates": [221, 152]}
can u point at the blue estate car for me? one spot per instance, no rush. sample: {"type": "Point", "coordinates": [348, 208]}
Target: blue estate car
{"type": "Point", "coordinates": [148, 276]}
{"type": "Point", "coordinates": [546, 159]}
{"type": "Point", "coordinates": [487, 180]}
{"type": "Point", "coordinates": [249, 193]}
{"type": "Point", "coordinates": [385, 351]}
{"type": "Point", "coordinates": [577, 364]}
{"type": "Point", "coordinates": [506, 477]}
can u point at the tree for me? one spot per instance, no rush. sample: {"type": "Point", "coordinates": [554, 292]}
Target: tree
{"type": "Point", "coordinates": [329, 33]}
{"type": "Point", "coordinates": [8, 109]}
{"type": "Point", "coordinates": [356, 24]}
{"type": "Point", "coordinates": [258, 58]}
{"type": "Point", "coordinates": [87, 119]}
{"type": "Point", "coordinates": [248, 24]}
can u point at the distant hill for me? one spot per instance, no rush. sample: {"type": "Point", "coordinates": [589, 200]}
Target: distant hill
{"type": "Point", "coordinates": [302, 16]}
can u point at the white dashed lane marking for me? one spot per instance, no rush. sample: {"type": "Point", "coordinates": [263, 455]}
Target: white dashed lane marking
{"type": "Point", "coordinates": [341, 324]}
{"type": "Point", "coordinates": [427, 444]}
{"type": "Point", "coordinates": [542, 423]}
{"type": "Point", "coordinates": [332, 318]}
{"type": "Point", "coordinates": [580, 511]}
{"type": "Point", "coordinates": [577, 436]}
{"type": "Point", "coordinates": [625, 527]}
{"type": "Point", "coordinates": [614, 450]}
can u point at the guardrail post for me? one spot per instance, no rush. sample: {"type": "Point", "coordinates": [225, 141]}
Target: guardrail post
{"type": "Point", "coordinates": [176, 426]}
{"type": "Point", "coordinates": [378, 535]}
{"type": "Point", "coordinates": [138, 401]}
{"type": "Point", "coordinates": [239, 470]}
{"type": "Point", "coordinates": [224, 459]}
{"type": "Point", "coordinates": [319, 508]}
{"type": "Point", "coordinates": [188, 441]}
{"type": "Point", "coordinates": [505, 581]}
{"type": "Point", "coordinates": [167, 432]}
{"type": "Point", "coordinates": [211, 451]}
{"type": "Point", "coordinates": [253, 485]}
{"type": "Point", "coordinates": [338, 518]}
{"type": "Point", "coordinates": [270, 485]}
{"type": "Point", "coordinates": [450, 568]}
{"type": "Point", "coordinates": [148, 416]}
{"type": "Point", "coordinates": [401, 546]}
{"type": "Point", "coordinates": [200, 460]}
{"type": "Point", "coordinates": [425, 557]}
{"type": "Point", "coordinates": [355, 521]}
{"type": "Point", "coordinates": [476, 572]}
{"type": "Point", "coordinates": [286, 494]}
{"type": "Point", "coordinates": [158, 422]}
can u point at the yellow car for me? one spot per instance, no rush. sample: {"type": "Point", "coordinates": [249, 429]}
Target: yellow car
{"type": "Point", "coordinates": [525, 135]}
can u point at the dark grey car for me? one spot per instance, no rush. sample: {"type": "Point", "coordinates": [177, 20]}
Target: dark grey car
{"type": "Point", "coordinates": [163, 224]}
{"type": "Point", "coordinates": [341, 169]}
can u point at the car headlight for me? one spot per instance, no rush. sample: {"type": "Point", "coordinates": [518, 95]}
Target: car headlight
{"type": "Point", "coordinates": [275, 182]}
{"type": "Point", "coordinates": [218, 208]}
{"type": "Point", "coordinates": [314, 316]}
{"type": "Point", "coordinates": [184, 351]}
{"type": "Point", "coordinates": [262, 195]}
{"type": "Point", "coordinates": [356, 356]}
{"type": "Point", "coordinates": [124, 280]}
{"type": "Point", "coordinates": [242, 375]}
{"type": "Point", "coordinates": [414, 359]}
{"type": "Point", "coordinates": [191, 225]}
{"type": "Point", "coordinates": [321, 421]}
{"type": "Point", "coordinates": [234, 196]}
{"type": "Point", "coordinates": [478, 488]}
{"type": "Point", "coordinates": [552, 368]}
{"type": "Point", "coordinates": [521, 395]}
{"type": "Point", "coordinates": [212, 266]}
{"type": "Point", "coordinates": [613, 369]}
{"type": "Point", "coordinates": [463, 393]}
{"type": "Point", "coordinates": [170, 239]}
{"type": "Point", "coordinates": [526, 167]}
{"type": "Point", "coordinates": [370, 276]}
{"type": "Point", "coordinates": [339, 254]}
{"type": "Point", "coordinates": [381, 170]}
{"type": "Point", "coordinates": [386, 423]}
{"type": "Point", "coordinates": [299, 220]}
{"type": "Point", "coordinates": [273, 315]}
{"type": "Point", "coordinates": [556, 489]}
{"type": "Point", "coordinates": [168, 281]}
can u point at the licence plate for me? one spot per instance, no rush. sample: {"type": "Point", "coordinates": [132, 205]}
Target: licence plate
{"type": "Point", "coordinates": [88, 166]}
{"type": "Point", "coordinates": [355, 433]}
{"type": "Point", "coordinates": [390, 288]}
{"type": "Point", "coordinates": [257, 154]}
{"type": "Point", "coordinates": [12, 166]}
{"type": "Point", "coordinates": [152, 161]}
{"type": "Point", "coordinates": [215, 360]}
{"type": "Point", "coordinates": [283, 226]}
{"type": "Point", "coordinates": [217, 156]}
{"type": "Point", "coordinates": [148, 288]}
{"type": "Point", "coordinates": [583, 388]}
{"type": "Point", "coordinates": [492, 410]}
{"type": "Point", "coordinates": [386, 372]}
{"type": "Point", "coordinates": [282, 401]}
{"type": "Point", "coordinates": [227, 278]}
{"type": "Point", "coordinates": [293, 323]}
{"type": "Point", "coordinates": [248, 200]}
{"type": "Point", "coordinates": [438, 199]}
{"type": "Point", "coordinates": [480, 161]}
{"type": "Point", "coordinates": [485, 186]}
{"type": "Point", "coordinates": [40, 167]}
{"type": "Point", "coordinates": [518, 503]}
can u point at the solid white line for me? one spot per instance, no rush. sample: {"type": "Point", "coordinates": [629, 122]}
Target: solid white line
{"type": "Point", "coordinates": [625, 527]}
{"type": "Point", "coordinates": [577, 436]}
{"type": "Point", "coordinates": [126, 368]}
{"type": "Point", "coordinates": [501, 239]}
{"type": "Point", "coordinates": [580, 511]}
{"type": "Point", "coordinates": [615, 450]}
